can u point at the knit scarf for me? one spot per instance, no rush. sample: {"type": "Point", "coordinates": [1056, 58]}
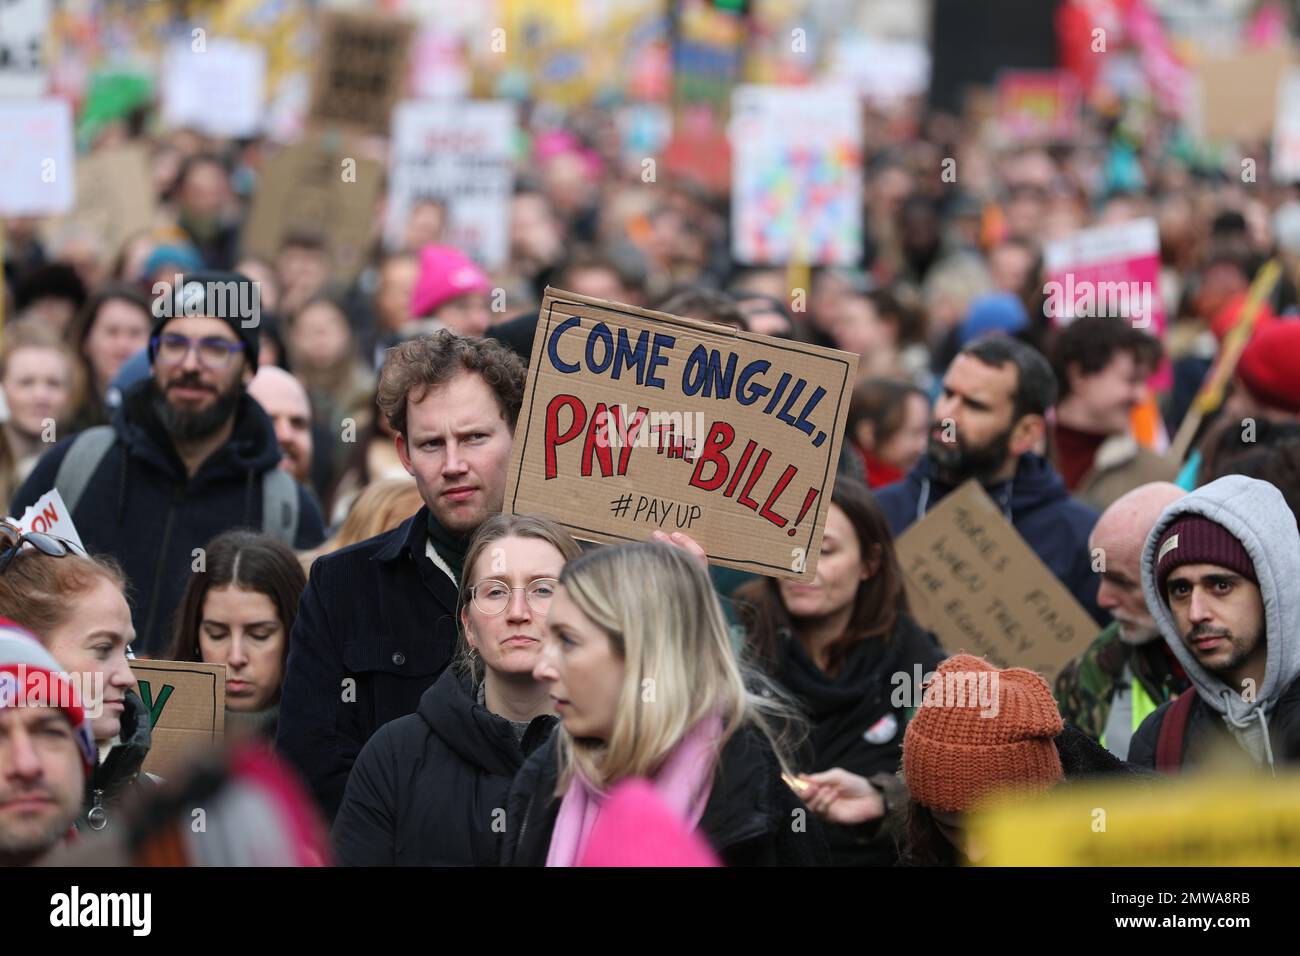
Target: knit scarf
{"type": "Point", "coordinates": [449, 546]}
{"type": "Point", "coordinates": [683, 782]}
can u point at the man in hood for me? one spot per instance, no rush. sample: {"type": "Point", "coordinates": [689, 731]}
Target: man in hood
{"type": "Point", "coordinates": [988, 419]}
{"type": "Point", "coordinates": [1219, 571]}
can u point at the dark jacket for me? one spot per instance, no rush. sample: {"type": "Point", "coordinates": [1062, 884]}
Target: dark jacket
{"type": "Point", "coordinates": [1055, 526]}
{"type": "Point", "coordinates": [376, 626]}
{"type": "Point", "coordinates": [119, 773]}
{"type": "Point", "coordinates": [1206, 732]}
{"type": "Point", "coordinates": [857, 722]}
{"type": "Point", "coordinates": [750, 818]}
{"type": "Point", "coordinates": [142, 508]}
{"type": "Point", "coordinates": [429, 789]}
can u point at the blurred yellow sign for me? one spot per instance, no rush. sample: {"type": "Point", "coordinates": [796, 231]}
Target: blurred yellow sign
{"type": "Point", "coordinates": [1238, 820]}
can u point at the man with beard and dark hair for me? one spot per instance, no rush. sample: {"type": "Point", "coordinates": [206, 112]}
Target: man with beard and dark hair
{"type": "Point", "coordinates": [1219, 570]}
{"type": "Point", "coordinates": [990, 416]}
{"type": "Point", "coordinates": [188, 455]}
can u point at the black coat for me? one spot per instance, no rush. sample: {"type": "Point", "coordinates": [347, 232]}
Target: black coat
{"type": "Point", "coordinates": [858, 718]}
{"type": "Point", "coordinates": [429, 789]}
{"type": "Point", "coordinates": [376, 626]}
{"type": "Point", "coordinates": [1206, 732]}
{"type": "Point", "coordinates": [141, 507]}
{"type": "Point", "coordinates": [119, 773]}
{"type": "Point", "coordinates": [751, 818]}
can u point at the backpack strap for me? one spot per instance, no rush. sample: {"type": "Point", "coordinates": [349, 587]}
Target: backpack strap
{"type": "Point", "coordinates": [81, 462]}
{"type": "Point", "coordinates": [280, 505]}
{"type": "Point", "coordinates": [1173, 730]}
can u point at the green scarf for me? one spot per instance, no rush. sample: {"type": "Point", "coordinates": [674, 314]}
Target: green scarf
{"type": "Point", "coordinates": [450, 547]}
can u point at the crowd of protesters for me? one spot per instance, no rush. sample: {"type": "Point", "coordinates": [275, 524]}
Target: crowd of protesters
{"type": "Point", "coordinates": [444, 684]}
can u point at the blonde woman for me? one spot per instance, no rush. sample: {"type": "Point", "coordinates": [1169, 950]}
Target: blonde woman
{"type": "Point", "coordinates": [641, 670]}
{"type": "Point", "coordinates": [382, 506]}
{"type": "Point", "coordinates": [429, 789]}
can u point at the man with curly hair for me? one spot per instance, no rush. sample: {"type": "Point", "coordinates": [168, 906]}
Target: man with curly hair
{"type": "Point", "coordinates": [377, 623]}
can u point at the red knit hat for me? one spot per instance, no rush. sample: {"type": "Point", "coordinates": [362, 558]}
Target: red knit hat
{"type": "Point", "coordinates": [1195, 539]}
{"type": "Point", "coordinates": [980, 730]}
{"type": "Point", "coordinates": [30, 677]}
{"type": "Point", "coordinates": [1270, 365]}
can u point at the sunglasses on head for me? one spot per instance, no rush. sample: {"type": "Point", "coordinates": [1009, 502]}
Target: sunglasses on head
{"type": "Point", "coordinates": [46, 544]}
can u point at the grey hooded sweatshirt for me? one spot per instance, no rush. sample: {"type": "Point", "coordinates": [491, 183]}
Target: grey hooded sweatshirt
{"type": "Point", "coordinates": [1257, 515]}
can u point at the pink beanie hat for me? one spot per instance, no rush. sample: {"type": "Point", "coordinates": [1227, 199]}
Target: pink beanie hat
{"type": "Point", "coordinates": [446, 273]}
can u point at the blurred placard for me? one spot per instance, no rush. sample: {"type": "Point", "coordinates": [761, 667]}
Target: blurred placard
{"type": "Point", "coordinates": [1106, 270]}
{"type": "Point", "coordinates": [973, 581]}
{"type": "Point", "coordinates": [320, 187]}
{"type": "Point", "coordinates": [462, 156]}
{"type": "Point", "coordinates": [24, 70]}
{"type": "Point", "coordinates": [361, 70]}
{"type": "Point", "coordinates": [882, 71]}
{"type": "Point", "coordinates": [1038, 106]}
{"type": "Point", "coordinates": [1237, 95]}
{"type": "Point", "coordinates": [1241, 820]}
{"type": "Point", "coordinates": [217, 89]}
{"type": "Point", "coordinates": [636, 421]}
{"type": "Point", "coordinates": [1286, 129]}
{"type": "Point", "coordinates": [796, 175]}
{"type": "Point", "coordinates": [115, 197]}
{"type": "Point", "coordinates": [37, 172]}
{"type": "Point", "coordinates": [187, 708]}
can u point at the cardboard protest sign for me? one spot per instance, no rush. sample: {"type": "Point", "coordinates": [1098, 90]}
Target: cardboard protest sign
{"type": "Point", "coordinates": [24, 66]}
{"type": "Point", "coordinates": [797, 175]}
{"type": "Point", "coordinates": [115, 198]}
{"type": "Point", "coordinates": [1111, 270]}
{"type": "Point", "coordinates": [322, 187]}
{"type": "Point", "coordinates": [187, 707]}
{"type": "Point", "coordinates": [49, 515]}
{"type": "Point", "coordinates": [973, 581]}
{"type": "Point", "coordinates": [882, 71]}
{"type": "Point", "coordinates": [1038, 105]}
{"type": "Point", "coordinates": [1286, 129]}
{"type": "Point", "coordinates": [635, 421]}
{"type": "Point", "coordinates": [1239, 819]}
{"type": "Point", "coordinates": [361, 70]}
{"type": "Point", "coordinates": [1236, 98]}
{"type": "Point", "coordinates": [218, 89]}
{"type": "Point", "coordinates": [37, 174]}
{"type": "Point", "coordinates": [461, 154]}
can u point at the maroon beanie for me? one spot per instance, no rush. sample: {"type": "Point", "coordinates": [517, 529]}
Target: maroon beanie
{"type": "Point", "coordinates": [1195, 539]}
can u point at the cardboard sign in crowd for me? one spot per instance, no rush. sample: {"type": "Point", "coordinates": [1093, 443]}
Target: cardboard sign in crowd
{"type": "Point", "coordinates": [635, 421]}
{"type": "Point", "coordinates": [187, 707]}
{"type": "Point", "coordinates": [974, 583]}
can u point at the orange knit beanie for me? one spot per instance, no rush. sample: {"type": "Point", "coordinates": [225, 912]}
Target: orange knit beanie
{"type": "Point", "coordinates": [979, 730]}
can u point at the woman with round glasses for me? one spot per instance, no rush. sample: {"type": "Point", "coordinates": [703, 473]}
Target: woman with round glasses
{"type": "Point", "coordinates": [429, 789]}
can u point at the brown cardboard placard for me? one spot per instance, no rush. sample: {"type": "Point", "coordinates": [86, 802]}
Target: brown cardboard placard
{"type": "Point", "coordinates": [114, 197]}
{"type": "Point", "coordinates": [1238, 94]}
{"type": "Point", "coordinates": [303, 189]}
{"type": "Point", "coordinates": [973, 581]}
{"type": "Point", "coordinates": [187, 704]}
{"type": "Point", "coordinates": [680, 425]}
{"type": "Point", "coordinates": [361, 70]}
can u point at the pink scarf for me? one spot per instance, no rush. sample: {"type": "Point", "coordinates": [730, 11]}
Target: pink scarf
{"type": "Point", "coordinates": [683, 782]}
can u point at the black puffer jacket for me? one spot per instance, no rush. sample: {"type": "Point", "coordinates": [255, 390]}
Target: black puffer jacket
{"type": "Point", "coordinates": [119, 773]}
{"type": "Point", "coordinates": [857, 722]}
{"type": "Point", "coordinates": [750, 818]}
{"type": "Point", "coordinates": [429, 789]}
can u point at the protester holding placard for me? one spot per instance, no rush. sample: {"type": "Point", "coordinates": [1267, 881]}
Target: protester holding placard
{"type": "Point", "coordinates": [429, 789]}
{"type": "Point", "coordinates": [76, 606]}
{"type": "Point", "coordinates": [452, 402]}
{"type": "Point", "coordinates": [239, 611]}
{"type": "Point", "coordinates": [838, 645]}
{"type": "Point", "coordinates": [987, 421]}
{"type": "Point", "coordinates": [41, 380]}
{"type": "Point", "coordinates": [639, 663]}
{"type": "Point", "coordinates": [188, 455]}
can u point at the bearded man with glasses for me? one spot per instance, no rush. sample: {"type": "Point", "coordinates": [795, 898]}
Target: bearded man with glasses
{"type": "Point", "coordinates": [188, 455]}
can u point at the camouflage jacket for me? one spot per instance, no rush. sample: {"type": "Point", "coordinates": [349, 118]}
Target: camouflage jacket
{"type": "Point", "coordinates": [1085, 687]}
